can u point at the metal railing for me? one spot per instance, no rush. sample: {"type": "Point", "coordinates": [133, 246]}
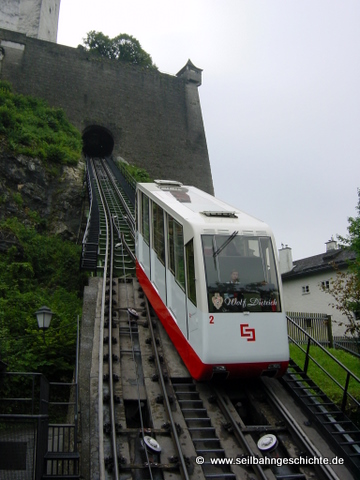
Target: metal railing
{"type": "Point", "coordinates": [24, 422]}
{"type": "Point", "coordinates": [26, 406]}
{"type": "Point", "coordinates": [90, 241]}
{"type": "Point", "coordinates": [308, 340]}
{"type": "Point", "coordinates": [62, 457]}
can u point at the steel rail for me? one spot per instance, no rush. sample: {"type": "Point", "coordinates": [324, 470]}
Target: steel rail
{"type": "Point", "coordinates": [259, 471]}
{"type": "Point", "coordinates": [108, 274]}
{"type": "Point", "coordinates": [112, 196]}
{"type": "Point", "coordinates": [128, 249]}
{"type": "Point", "coordinates": [149, 465]}
{"type": "Point", "coordinates": [130, 220]}
{"type": "Point", "coordinates": [294, 427]}
{"type": "Point", "coordinates": [124, 220]}
{"type": "Point", "coordinates": [184, 472]}
{"type": "Point", "coordinates": [101, 344]}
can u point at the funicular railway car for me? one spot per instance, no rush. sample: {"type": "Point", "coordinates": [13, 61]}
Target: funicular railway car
{"type": "Point", "coordinates": [211, 275]}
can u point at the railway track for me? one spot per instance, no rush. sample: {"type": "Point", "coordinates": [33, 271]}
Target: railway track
{"type": "Point", "coordinates": [154, 421]}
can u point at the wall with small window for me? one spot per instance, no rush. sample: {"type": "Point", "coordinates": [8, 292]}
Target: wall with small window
{"type": "Point", "coordinates": [305, 289]}
{"type": "Point", "coordinates": [308, 294]}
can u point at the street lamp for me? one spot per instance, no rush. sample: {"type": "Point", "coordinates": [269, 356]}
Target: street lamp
{"type": "Point", "coordinates": [43, 316]}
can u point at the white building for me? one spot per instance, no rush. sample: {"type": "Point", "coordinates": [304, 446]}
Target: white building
{"type": "Point", "coordinates": [303, 281]}
{"type": "Point", "coordinates": [35, 18]}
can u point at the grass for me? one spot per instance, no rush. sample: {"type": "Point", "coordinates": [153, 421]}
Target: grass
{"type": "Point", "coordinates": [327, 385]}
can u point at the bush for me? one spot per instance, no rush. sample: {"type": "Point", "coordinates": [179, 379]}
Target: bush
{"type": "Point", "coordinates": [139, 174]}
{"type": "Point", "coordinates": [39, 270]}
{"type": "Point", "coordinates": [32, 128]}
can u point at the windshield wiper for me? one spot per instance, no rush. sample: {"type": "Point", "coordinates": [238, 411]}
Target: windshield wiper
{"type": "Point", "coordinates": [225, 244]}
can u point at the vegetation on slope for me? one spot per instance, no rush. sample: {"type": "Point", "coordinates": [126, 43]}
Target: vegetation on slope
{"type": "Point", "coordinates": [134, 173]}
{"type": "Point", "coordinates": [30, 127]}
{"type": "Point", "coordinates": [37, 269]}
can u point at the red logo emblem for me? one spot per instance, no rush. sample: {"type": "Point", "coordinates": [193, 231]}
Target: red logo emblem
{"type": "Point", "coordinates": [247, 332]}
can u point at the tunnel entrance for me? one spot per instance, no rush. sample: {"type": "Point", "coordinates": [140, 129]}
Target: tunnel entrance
{"type": "Point", "coordinates": [97, 141]}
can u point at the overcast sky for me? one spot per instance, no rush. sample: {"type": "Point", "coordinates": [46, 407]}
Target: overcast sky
{"type": "Point", "coordinates": [280, 98]}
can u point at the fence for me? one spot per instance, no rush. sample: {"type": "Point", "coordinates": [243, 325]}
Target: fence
{"type": "Point", "coordinates": [23, 425]}
{"type": "Point", "coordinates": [317, 325]}
{"type": "Point", "coordinates": [351, 345]}
{"type": "Point", "coordinates": [30, 447]}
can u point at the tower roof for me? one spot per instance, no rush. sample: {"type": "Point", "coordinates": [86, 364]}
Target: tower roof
{"type": "Point", "coordinates": [191, 73]}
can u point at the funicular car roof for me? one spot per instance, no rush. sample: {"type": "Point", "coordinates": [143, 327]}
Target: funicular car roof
{"type": "Point", "coordinates": [198, 207]}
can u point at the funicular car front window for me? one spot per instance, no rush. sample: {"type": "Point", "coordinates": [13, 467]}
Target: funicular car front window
{"type": "Point", "coordinates": [242, 275]}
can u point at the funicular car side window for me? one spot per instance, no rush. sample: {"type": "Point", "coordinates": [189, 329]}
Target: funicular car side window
{"type": "Point", "coordinates": [240, 274]}
{"type": "Point", "coordinates": [176, 250]}
{"type": "Point", "coordinates": [144, 218]}
{"type": "Point", "coordinates": [190, 271]}
{"type": "Point", "coordinates": [158, 232]}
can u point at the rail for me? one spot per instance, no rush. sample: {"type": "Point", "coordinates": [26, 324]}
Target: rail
{"type": "Point", "coordinates": [182, 462]}
{"type": "Point", "coordinates": [122, 218]}
{"type": "Point", "coordinates": [107, 264]}
{"type": "Point", "coordinates": [129, 217]}
{"type": "Point", "coordinates": [129, 178]}
{"type": "Point", "coordinates": [259, 471]}
{"type": "Point", "coordinates": [90, 241]}
{"type": "Point", "coordinates": [109, 197]}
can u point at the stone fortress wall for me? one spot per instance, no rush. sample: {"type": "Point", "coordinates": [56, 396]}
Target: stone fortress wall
{"type": "Point", "coordinates": [154, 119]}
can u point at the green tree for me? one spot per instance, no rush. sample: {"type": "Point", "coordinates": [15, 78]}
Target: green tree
{"type": "Point", "coordinates": [345, 287]}
{"type": "Point", "coordinates": [124, 47]}
{"type": "Point", "coordinates": [39, 270]}
{"type": "Point", "coordinates": [353, 238]}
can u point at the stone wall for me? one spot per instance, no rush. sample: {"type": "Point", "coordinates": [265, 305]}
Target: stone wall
{"type": "Point", "coordinates": [28, 186]}
{"type": "Point", "coordinates": [155, 119]}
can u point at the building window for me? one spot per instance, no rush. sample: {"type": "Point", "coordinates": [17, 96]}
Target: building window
{"type": "Point", "coordinates": [305, 289]}
{"type": "Point", "coordinates": [325, 285]}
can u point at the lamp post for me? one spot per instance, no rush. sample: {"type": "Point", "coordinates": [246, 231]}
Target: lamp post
{"type": "Point", "coordinates": [43, 316]}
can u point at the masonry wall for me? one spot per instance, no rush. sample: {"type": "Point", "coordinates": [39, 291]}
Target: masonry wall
{"type": "Point", "coordinates": [152, 117]}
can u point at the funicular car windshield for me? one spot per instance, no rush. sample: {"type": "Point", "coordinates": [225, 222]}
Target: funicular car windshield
{"type": "Point", "coordinates": [240, 273]}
